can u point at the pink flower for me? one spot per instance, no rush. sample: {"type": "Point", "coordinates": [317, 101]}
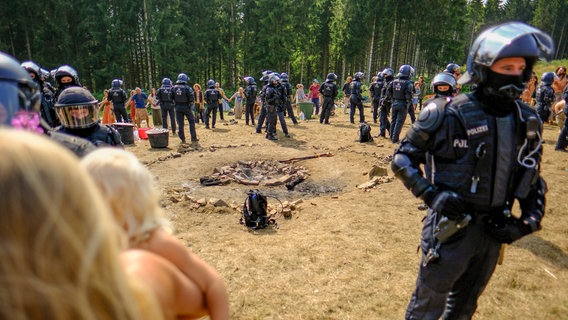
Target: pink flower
{"type": "Point", "coordinates": [28, 121]}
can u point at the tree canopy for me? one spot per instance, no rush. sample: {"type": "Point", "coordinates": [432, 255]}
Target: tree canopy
{"type": "Point", "coordinates": [143, 41]}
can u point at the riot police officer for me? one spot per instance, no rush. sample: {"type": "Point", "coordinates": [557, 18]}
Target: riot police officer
{"type": "Point", "coordinates": [545, 96]}
{"type": "Point", "coordinates": [452, 69]}
{"type": "Point", "coordinates": [329, 92]}
{"type": "Point", "coordinates": [65, 77]}
{"type": "Point", "coordinates": [20, 101]}
{"type": "Point", "coordinates": [165, 98]}
{"type": "Point", "coordinates": [444, 85]}
{"type": "Point", "coordinates": [47, 112]}
{"type": "Point", "coordinates": [212, 97]}
{"type": "Point", "coordinates": [385, 103]}
{"type": "Point", "coordinates": [272, 98]}
{"type": "Point", "coordinates": [281, 105]}
{"type": "Point", "coordinates": [284, 81]}
{"type": "Point", "coordinates": [356, 98]}
{"type": "Point", "coordinates": [400, 91]}
{"type": "Point", "coordinates": [250, 93]}
{"type": "Point", "coordinates": [117, 96]}
{"type": "Point", "coordinates": [262, 116]}
{"type": "Point", "coordinates": [78, 113]}
{"type": "Point", "coordinates": [183, 97]}
{"type": "Point", "coordinates": [375, 91]}
{"type": "Point", "coordinates": [484, 151]}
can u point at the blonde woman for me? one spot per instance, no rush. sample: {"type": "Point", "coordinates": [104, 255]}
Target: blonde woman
{"type": "Point", "coordinates": [133, 195]}
{"type": "Point", "coordinates": [58, 241]}
{"type": "Point", "coordinates": [239, 97]}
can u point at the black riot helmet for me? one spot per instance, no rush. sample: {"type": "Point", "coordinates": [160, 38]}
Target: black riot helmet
{"type": "Point", "coordinates": [511, 39]}
{"type": "Point", "coordinates": [67, 71]}
{"type": "Point", "coordinates": [358, 75]}
{"type": "Point", "coordinates": [43, 73]}
{"type": "Point", "coordinates": [284, 77]}
{"type": "Point", "coordinates": [116, 83]}
{"type": "Point", "coordinates": [182, 78]}
{"type": "Point", "coordinates": [76, 108]}
{"type": "Point", "coordinates": [380, 76]}
{"type": "Point", "coordinates": [444, 79]}
{"type": "Point", "coordinates": [211, 84]}
{"type": "Point", "coordinates": [32, 67]}
{"type": "Point", "coordinates": [19, 96]}
{"type": "Point", "coordinates": [274, 78]}
{"type": "Point", "coordinates": [388, 73]}
{"type": "Point", "coordinates": [451, 68]}
{"type": "Point", "coordinates": [405, 71]}
{"type": "Point", "coordinates": [548, 78]}
{"type": "Point", "coordinates": [265, 76]}
{"type": "Point", "coordinates": [250, 80]}
{"type": "Point", "coordinates": [331, 77]}
{"type": "Point", "coordinates": [166, 82]}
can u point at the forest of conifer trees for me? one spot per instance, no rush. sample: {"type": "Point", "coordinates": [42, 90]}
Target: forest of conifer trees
{"type": "Point", "coordinates": [142, 41]}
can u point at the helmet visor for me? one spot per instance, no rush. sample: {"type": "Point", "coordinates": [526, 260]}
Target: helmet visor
{"type": "Point", "coordinates": [488, 47]}
{"type": "Point", "coordinates": [78, 116]}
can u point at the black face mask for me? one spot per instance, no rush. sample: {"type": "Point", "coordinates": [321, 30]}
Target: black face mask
{"type": "Point", "coordinates": [504, 87]}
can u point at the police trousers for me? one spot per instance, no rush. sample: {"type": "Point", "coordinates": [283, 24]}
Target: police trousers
{"type": "Point", "coordinates": [399, 112]}
{"type": "Point", "coordinates": [181, 113]}
{"type": "Point", "coordinates": [451, 284]}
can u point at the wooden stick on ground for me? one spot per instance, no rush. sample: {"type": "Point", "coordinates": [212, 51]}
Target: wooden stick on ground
{"type": "Point", "coordinates": [327, 154]}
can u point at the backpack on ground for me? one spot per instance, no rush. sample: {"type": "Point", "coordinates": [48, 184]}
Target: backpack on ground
{"type": "Point", "coordinates": [255, 211]}
{"type": "Point", "coordinates": [365, 133]}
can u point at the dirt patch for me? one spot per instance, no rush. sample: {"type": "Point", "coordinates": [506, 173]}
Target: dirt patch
{"type": "Point", "coordinates": [346, 252]}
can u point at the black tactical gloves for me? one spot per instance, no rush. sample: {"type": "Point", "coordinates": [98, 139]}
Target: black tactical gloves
{"type": "Point", "coordinates": [448, 203]}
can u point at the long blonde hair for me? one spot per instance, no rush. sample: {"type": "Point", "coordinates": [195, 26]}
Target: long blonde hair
{"type": "Point", "coordinates": [129, 188]}
{"type": "Point", "coordinates": [58, 242]}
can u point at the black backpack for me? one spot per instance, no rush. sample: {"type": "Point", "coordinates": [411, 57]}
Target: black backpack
{"type": "Point", "coordinates": [365, 133]}
{"type": "Point", "coordinates": [255, 211]}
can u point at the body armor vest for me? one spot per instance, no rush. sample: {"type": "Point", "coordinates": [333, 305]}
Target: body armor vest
{"type": "Point", "coordinates": [181, 94]}
{"type": "Point", "coordinates": [250, 92]}
{"type": "Point", "coordinates": [544, 95]}
{"type": "Point", "coordinates": [327, 90]}
{"type": "Point", "coordinates": [488, 179]}
{"type": "Point", "coordinates": [117, 96]}
{"type": "Point", "coordinates": [212, 96]}
{"type": "Point", "coordinates": [355, 88]}
{"type": "Point", "coordinates": [165, 95]}
{"type": "Point", "coordinates": [399, 89]}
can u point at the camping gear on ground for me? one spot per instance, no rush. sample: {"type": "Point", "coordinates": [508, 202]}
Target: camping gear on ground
{"type": "Point", "coordinates": [365, 133]}
{"type": "Point", "coordinates": [255, 211]}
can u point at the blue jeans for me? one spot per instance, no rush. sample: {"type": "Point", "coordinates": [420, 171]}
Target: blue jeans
{"type": "Point", "coordinates": [316, 101]}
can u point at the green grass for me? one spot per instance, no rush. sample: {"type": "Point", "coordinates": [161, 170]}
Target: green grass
{"type": "Point", "coordinates": [542, 67]}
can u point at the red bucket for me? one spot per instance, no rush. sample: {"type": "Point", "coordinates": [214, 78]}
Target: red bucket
{"type": "Point", "coordinates": [142, 133]}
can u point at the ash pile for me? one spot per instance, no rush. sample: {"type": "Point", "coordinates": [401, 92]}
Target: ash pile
{"type": "Point", "coordinates": [257, 173]}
